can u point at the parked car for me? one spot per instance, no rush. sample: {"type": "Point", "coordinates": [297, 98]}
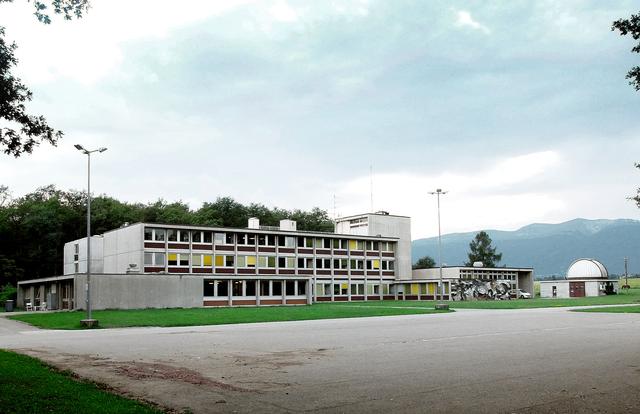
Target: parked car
{"type": "Point", "coordinates": [521, 294]}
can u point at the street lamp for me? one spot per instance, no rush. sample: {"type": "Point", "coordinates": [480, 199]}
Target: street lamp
{"type": "Point", "coordinates": [89, 322]}
{"type": "Point", "coordinates": [437, 193]}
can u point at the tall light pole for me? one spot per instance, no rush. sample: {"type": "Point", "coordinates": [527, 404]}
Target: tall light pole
{"type": "Point", "coordinates": [89, 322]}
{"type": "Point", "coordinates": [437, 193]}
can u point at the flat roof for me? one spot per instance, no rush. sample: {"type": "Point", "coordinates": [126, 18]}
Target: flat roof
{"type": "Point", "coordinates": [368, 214]}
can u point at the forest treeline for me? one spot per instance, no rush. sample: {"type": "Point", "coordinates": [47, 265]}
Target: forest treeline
{"type": "Point", "coordinates": [35, 227]}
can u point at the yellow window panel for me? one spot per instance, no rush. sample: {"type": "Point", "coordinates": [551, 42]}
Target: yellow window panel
{"type": "Point", "coordinates": [376, 264]}
{"type": "Point", "coordinates": [219, 260]}
{"type": "Point", "coordinates": [353, 244]}
{"type": "Point", "coordinates": [172, 256]}
{"type": "Point", "coordinates": [415, 288]}
{"type": "Point", "coordinates": [207, 260]}
{"type": "Point", "coordinates": [251, 260]}
{"type": "Point", "coordinates": [344, 286]}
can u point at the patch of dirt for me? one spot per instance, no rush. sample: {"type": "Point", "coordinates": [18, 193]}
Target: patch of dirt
{"type": "Point", "coordinates": [145, 370]}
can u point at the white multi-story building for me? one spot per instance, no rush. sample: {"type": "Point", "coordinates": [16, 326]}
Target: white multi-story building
{"type": "Point", "coordinates": [159, 265]}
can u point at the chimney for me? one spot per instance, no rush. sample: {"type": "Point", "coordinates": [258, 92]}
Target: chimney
{"type": "Point", "coordinates": [254, 223]}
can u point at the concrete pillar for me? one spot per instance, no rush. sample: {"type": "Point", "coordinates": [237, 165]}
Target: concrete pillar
{"type": "Point", "coordinates": [309, 295]}
{"type": "Point", "coordinates": [230, 292]}
{"type": "Point", "coordinates": [284, 292]}
{"type": "Point", "coordinates": [257, 282]}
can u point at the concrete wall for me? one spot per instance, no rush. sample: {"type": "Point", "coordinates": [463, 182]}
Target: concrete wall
{"type": "Point", "coordinates": [546, 289]}
{"type": "Point", "coordinates": [140, 291]}
{"type": "Point", "coordinates": [97, 264]}
{"type": "Point", "coordinates": [123, 247]}
{"type": "Point", "coordinates": [385, 226]}
{"type": "Point", "coordinates": [434, 273]}
{"type": "Point", "coordinates": [592, 288]}
{"type": "Point", "coordinates": [395, 226]}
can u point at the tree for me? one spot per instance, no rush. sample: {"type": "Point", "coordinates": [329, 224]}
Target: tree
{"type": "Point", "coordinates": [631, 26]}
{"type": "Point", "coordinates": [425, 262]}
{"type": "Point", "coordinates": [480, 250]}
{"type": "Point", "coordinates": [24, 131]}
{"type": "Point", "coordinates": [637, 197]}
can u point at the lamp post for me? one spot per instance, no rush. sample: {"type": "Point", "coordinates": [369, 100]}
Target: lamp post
{"type": "Point", "coordinates": [440, 305]}
{"type": "Point", "coordinates": [89, 321]}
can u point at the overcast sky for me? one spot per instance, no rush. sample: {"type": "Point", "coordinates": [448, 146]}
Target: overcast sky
{"type": "Point", "coordinates": [519, 109]}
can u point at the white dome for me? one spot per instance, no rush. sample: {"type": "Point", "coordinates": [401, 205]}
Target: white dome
{"type": "Point", "coordinates": [587, 269]}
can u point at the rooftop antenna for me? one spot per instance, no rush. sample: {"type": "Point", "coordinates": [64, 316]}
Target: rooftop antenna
{"type": "Point", "coordinates": [371, 184]}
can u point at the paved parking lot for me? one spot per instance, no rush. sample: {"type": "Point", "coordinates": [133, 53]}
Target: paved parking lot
{"type": "Point", "coordinates": [534, 360]}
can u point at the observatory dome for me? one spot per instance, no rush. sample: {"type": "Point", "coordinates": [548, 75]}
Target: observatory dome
{"type": "Point", "coordinates": [587, 269]}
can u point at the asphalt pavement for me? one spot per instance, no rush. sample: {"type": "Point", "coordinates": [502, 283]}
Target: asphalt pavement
{"type": "Point", "coordinates": [481, 361]}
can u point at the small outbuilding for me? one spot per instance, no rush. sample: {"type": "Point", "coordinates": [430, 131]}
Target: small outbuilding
{"type": "Point", "coordinates": [585, 277]}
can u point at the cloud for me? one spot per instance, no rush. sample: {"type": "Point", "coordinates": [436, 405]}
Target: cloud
{"type": "Point", "coordinates": [500, 195]}
{"type": "Point", "coordinates": [283, 12]}
{"type": "Point", "coordinates": [464, 19]}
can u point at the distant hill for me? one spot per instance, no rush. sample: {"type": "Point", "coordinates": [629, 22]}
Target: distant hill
{"type": "Point", "coordinates": [549, 248]}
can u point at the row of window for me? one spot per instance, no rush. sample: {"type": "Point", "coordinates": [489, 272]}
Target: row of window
{"type": "Point", "coordinates": [220, 288]}
{"type": "Point", "coordinates": [344, 288]}
{"type": "Point", "coordinates": [249, 239]}
{"type": "Point", "coordinates": [157, 259]}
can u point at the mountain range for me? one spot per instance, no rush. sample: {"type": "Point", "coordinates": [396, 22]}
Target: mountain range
{"type": "Point", "coordinates": [548, 248]}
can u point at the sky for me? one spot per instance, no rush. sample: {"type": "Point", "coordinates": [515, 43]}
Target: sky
{"type": "Point", "coordinates": [518, 109]}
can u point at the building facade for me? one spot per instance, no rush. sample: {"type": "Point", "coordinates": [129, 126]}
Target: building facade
{"type": "Point", "coordinates": [585, 277]}
{"type": "Point", "coordinates": [154, 265]}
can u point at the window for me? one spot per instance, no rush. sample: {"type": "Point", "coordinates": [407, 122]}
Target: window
{"type": "Point", "coordinates": [219, 238]}
{"type": "Point", "coordinates": [230, 238]}
{"type": "Point", "coordinates": [388, 246]}
{"type": "Point", "coordinates": [250, 288]}
{"type": "Point", "coordinates": [242, 261]}
{"type": "Point", "coordinates": [224, 261]}
{"type": "Point", "coordinates": [172, 235]}
{"type": "Point", "coordinates": [222, 288]}
{"type": "Point", "coordinates": [286, 262]}
{"type": "Point", "coordinates": [319, 243]}
{"type": "Point", "coordinates": [387, 265]}
{"type": "Point", "coordinates": [291, 287]}
{"type": "Point", "coordinates": [302, 287]}
{"type": "Point", "coordinates": [276, 288]}
{"type": "Point", "coordinates": [237, 288]}
{"type": "Point", "coordinates": [305, 263]}
{"type": "Point", "coordinates": [264, 288]}
{"type": "Point", "coordinates": [198, 260]}
{"type": "Point", "coordinates": [339, 244]}
{"type": "Point", "coordinates": [154, 259]}
{"type": "Point", "coordinates": [340, 263]}
{"type": "Point", "coordinates": [357, 264]}
{"type": "Point", "coordinates": [287, 241]}
{"type": "Point", "coordinates": [373, 264]}
{"type": "Point", "coordinates": [267, 240]}
{"type": "Point", "coordinates": [327, 243]}
{"type": "Point", "coordinates": [76, 268]}
{"type": "Point", "coordinates": [209, 287]}
{"type": "Point", "coordinates": [247, 239]}
{"type": "Point", "coordinates": [175, 259]}
{"type": "Point", "coordinates": [323, 263]}
{"type": "Point", "coordinates": [153, 234]}
{"type": "Point", "coordinates": [196, 236]}
{"type": "Point", "coordinates": [357, 289]}
{"type": "Point", "coordinates": [267, 261]}
{"type": "Point", "coordinates": [373, 245]}
{"type": "Point", "coordinates": [305, 242]}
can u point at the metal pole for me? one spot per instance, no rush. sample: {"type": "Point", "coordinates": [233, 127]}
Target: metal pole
{"type": "Point", "coordinates": [88, 235]}
{"type": "Point", "coordinates": [440, 249]}
{"type": "Point", "coordinates": [626, 274]}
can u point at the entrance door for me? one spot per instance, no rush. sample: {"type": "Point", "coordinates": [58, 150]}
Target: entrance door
{"type": "Point", "coordinates": [576, 289]}
{"type": "Point", "coordinates": [67, 295]}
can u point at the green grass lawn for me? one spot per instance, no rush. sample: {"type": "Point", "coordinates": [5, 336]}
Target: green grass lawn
{"type": "Point", "coordinates": [30, 386]}
{"type": "Point", "coordinates": [214, 316]}
{"type": "Point", "coordinates": [630, 296]}
{"type": "Point", "coordinates": [613, 309]}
